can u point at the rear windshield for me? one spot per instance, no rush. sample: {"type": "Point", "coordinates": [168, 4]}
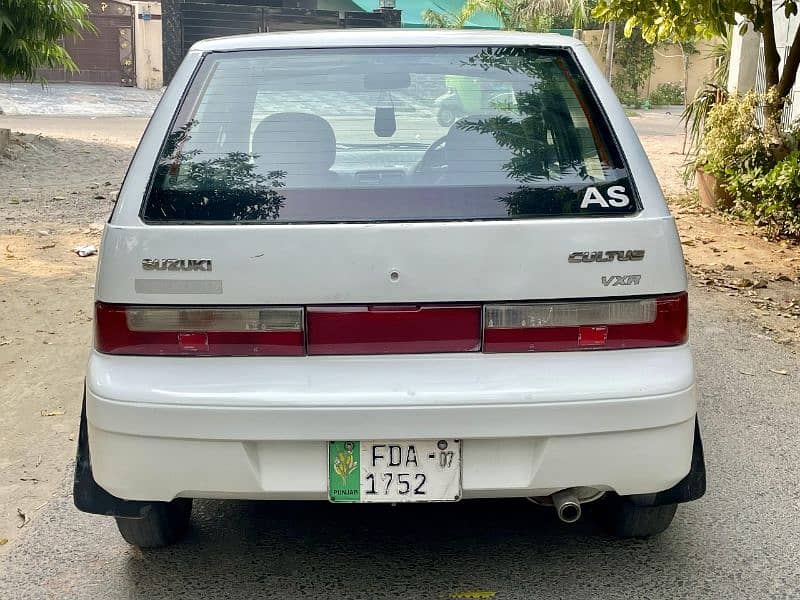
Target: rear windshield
{"type": "Point", "coordinates": [390, 134]}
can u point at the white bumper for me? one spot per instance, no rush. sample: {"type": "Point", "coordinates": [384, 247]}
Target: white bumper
{"type": "Point", "coordinates": [161, 428]}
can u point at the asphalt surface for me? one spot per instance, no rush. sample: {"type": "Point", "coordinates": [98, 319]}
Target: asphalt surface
{"type": "Point", "coordinates": [660, 120]}
{"type": "Point", "coordinates": [741, 541]}
{"type": "Point", "coordinates": [89, 100]}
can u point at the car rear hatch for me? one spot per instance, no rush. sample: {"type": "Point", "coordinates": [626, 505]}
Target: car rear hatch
{"type": "Point", "coordinates": [348, 221]}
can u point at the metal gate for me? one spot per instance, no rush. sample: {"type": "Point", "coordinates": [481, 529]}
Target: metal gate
{"type": "Point", "coordinates": [784, 32]}
{"type": "Point", "coordinates": [103, 57]}
{"type": "Point", "coordinates": [185, 23]}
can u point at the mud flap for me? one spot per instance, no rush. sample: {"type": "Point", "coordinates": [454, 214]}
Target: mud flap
{"type": "Point", "coordinates": [691, 487]}
{"type": "Point", "coordinates": [88, 495]}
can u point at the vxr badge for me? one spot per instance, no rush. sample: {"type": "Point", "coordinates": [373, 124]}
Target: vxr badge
{"type": "Point", "coordinates": [615, 280]}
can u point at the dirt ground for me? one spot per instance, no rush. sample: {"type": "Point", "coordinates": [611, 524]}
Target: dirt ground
{"type": "Point", "coordinates": [57, 182]}
{"type": "Point", "coordinates": [55, 194]}
{"type": "Point", "coordinates": [726, 255]}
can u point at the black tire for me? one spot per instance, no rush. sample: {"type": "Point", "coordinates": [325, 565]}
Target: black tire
{"type": "Point", "coordinates": [625, 519]}
{"type": "Point", "coordinates": [446, 117]}
{"type": "Point", "coordinates": [165, 524]}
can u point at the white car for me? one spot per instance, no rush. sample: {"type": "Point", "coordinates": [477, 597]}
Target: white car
{"type": "Point", "coordinates": [310, 289]}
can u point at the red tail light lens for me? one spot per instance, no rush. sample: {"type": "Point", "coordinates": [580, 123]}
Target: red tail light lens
{"type": "Point", "coordinates": [198, 331]}
{"type": "Point", "coordinates": [393, 329]}
{"type": "Point", "coordinates": [280, 331]}
{"type": "Point", "coordinates": [606, 324]}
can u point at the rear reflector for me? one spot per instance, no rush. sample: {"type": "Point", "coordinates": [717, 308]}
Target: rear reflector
{"type": "Point", "coordinates": [606, 324]}
{"type": "Point", "coordinates": [187, 331]}
{"type": "Point", "coordinates": [393, 329]}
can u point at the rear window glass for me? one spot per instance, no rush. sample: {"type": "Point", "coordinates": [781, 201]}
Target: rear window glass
{"type": "Point", "coordinates": [414, 134]}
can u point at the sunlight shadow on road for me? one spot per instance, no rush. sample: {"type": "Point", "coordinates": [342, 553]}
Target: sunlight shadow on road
{"type": "Point", "coordinates": [319, 550]}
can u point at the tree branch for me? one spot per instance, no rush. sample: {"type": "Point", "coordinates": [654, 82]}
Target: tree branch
{"type": "Point", "coordinates": [789, 74]}
{"type": "Point", "coordinates": [771, 57]}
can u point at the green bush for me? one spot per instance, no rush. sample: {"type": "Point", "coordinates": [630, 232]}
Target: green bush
{"type": "Point", "coordinates": [633, 62]}
{"type": "Point", "coordinates": [734, 149]}
{"type": "Point", "coordinates": [629, 98]}
{"type": "Point", "coordinates": [759, 170]}
{"type": "Point", "coordinates": [667, 93]}
{"type": "Point", "coordinates": [778, 198]}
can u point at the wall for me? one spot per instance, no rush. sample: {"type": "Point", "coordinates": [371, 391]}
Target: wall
{"type": "Point", "coordinates": [185, 23]}
{"type": "Point", "coordinates": [147, 43]}
{"type": "Point", "coordinates": [668, 65]}
{"type": "Point", "coordinates": [744, 60]}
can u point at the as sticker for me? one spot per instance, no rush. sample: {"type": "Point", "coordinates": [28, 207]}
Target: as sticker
{"type": "Point", "coordinates": [617, 197]}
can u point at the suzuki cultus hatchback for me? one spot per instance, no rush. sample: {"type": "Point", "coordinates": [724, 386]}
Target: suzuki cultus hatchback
{"type": "Point", "coordinates": [312, 287]}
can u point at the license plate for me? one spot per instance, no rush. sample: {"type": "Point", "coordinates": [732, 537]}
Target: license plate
{"type": "Point", "coordinates": [394, 471]}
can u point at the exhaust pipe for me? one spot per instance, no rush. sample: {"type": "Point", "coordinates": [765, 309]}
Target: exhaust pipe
{"type": "Point", "coordinates": [567, 505]}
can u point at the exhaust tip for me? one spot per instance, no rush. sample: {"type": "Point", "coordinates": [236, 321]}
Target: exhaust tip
{"type": "Point", "coordinates": [567, 505]}
{"type": "Point", "coordinates": [569, 513]}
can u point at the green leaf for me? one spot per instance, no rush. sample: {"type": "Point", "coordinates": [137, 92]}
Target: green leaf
{"type": "Point", "coordinates": [31, 32]}
{"type": "Point", "coordinates": [678, 20]}
{"type": "Point", "coordinates": [630, 24]}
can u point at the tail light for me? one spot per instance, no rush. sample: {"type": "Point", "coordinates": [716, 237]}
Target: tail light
{"type": "Point", "coordinates": [382, 329]}
{"type": "Point", "coordinates": [190, 331]}
{"type": "Point", "coordinates": [393, 329]}
{"type": "Point", "coordinates": [605, 324]}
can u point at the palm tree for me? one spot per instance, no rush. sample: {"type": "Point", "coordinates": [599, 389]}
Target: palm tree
{"type": "Point", "coordinates": [535, 10]}
{"type": "Point", "coordinates": [445, 19]}
{"type": "Point", "coordinates": [527, 15]}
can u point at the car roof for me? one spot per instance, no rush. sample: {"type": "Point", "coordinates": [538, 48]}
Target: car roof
{"type": "Point", "coordinates": [344, 38]}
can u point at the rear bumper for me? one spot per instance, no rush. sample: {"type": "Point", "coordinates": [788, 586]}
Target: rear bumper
{"type": "Point", "coordinates": [160, 428]}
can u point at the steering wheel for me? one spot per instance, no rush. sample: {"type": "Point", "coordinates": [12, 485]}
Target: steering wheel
{"type": "Point", "coordinates": [433, 158]}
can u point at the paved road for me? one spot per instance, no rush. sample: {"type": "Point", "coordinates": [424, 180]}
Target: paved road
{"type": "Point", "coordinates": [741, 541]}
{"type": "Point", "coordinates": [76, 99]}
{"type": "Point", "coordinates": [661, 121]}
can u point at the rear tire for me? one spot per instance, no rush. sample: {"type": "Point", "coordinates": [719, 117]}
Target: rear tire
{"type": "Point", "coordinates": [165, 524]}
{"type": "Point", "coordinates": [625, 519]}
{"type": "Point", "coordinates": [446, 117]}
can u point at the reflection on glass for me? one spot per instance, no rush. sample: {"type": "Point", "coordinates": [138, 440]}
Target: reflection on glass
{"type": "Point", "coordinates": [297, 136]}
{"type": "Point", "coordinates": [200, 190]}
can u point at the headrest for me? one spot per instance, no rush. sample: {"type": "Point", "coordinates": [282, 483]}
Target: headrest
{"type": "Point", "coordinates": [294, 142]}
{"type": "Point", "coordinates": [471, 151]}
